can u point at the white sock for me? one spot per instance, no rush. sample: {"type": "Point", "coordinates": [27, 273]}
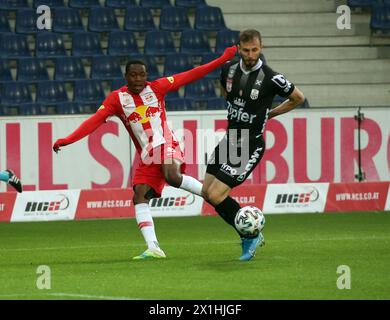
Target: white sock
{"type": "Point", "coordinates": [191, 184]}
{"type": "Point", "coordinates": [146, 225]}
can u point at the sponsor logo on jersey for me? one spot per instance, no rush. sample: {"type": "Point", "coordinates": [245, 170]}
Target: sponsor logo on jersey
{"type": "Point", "coordinates": [171, 79]}
{"type": "Point", "coordinates": [229, 84]}
{"type": "Point", "coordinates": [239, 102]}
{"type": "Point", "coordinates": [254, 94]}
{"type": "Point", "coordinates": [282, 82]}
{"type": "Point", "coordinates": [228, 169]}
{"type": "Point", "coordinates": [101, 107]}
{"type": "Point", "coordinates": [143, 114]}
{"type": "Point", "coordinates": [252, 161]}
{"type": "Point", "coordinates": [239, 114]}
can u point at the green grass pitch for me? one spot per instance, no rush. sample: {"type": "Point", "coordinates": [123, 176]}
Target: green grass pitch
{"type": "Point", "coordinates": [92, 259]}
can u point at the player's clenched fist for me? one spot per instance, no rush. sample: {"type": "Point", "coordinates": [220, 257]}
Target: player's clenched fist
{"type": "Point", "coordinates": [230, 52]}
{"type": "Point", "coordinates": [59, 143]}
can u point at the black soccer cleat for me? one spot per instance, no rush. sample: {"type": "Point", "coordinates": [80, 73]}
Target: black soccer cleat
{"type": "Point", "coordinates": [14, 181]}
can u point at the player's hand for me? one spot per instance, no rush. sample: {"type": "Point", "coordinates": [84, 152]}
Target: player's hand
{"type": "Point", "coordinates": [230, 52]}
{"type": "Point", "coordinates": [59, 143]}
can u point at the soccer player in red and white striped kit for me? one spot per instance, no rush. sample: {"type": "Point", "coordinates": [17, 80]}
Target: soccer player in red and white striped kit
{"type": "Point", "coordinates": [140, 106]}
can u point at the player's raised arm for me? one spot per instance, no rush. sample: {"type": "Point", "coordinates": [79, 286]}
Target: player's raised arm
{"type": "Point", "coordinates": [86, 128]}
{"type": "Point", "coordinates": [176, 81]}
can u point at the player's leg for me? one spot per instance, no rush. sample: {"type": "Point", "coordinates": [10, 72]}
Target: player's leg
{"type": "Point", "coordinates": [9, 177]}
{"type": "Point", "coordinates": [174, 177]}
{"type": "Point", "coordinates": [148, 182]}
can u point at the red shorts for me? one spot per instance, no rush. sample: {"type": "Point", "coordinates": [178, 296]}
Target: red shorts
{"type": "Point", "coordinates": [150, 170]}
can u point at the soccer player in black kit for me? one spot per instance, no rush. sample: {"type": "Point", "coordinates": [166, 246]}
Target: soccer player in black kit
{"type": "Point", "coordinates": [249, 87]}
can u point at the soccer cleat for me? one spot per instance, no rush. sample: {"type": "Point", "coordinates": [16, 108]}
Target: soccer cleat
{"type": "Point", "coordinates": [249, 246]}
{"type": "Point", "coordinates": [14, 181]}
{"type": "Point", "coordinates": [151, 254]}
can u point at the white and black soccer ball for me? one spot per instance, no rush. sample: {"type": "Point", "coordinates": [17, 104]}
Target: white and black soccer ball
{"type": "Point", "coordinates": [249, 221]}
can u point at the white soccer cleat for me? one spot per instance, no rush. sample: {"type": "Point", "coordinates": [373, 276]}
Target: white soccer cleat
{"type": "Point", "coordinates": [155, 253]}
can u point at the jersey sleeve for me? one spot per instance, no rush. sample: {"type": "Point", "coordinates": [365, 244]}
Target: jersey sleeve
{"type": "Point", "coordinates": [223, 77]}
{"type": "Point", "coordinates": [282, 86]}
{"type": "Point", "coordinates": [110, 105]}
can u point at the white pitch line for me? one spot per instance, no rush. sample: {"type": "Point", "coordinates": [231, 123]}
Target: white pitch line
{"type": "Point", "coordinates": [70, 295]}
{"type": "Point", "coordinates": [193, 243]}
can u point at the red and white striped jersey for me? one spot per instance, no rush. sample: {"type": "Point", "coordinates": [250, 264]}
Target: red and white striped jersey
{"type": "Point", "coordinates": [143, 114]}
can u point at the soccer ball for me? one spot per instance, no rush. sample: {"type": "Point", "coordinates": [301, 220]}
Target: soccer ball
{"type": "Point", "coordinates": [249, 221]}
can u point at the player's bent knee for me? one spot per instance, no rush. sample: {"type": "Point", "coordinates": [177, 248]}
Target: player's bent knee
{"type": "Point", "coordinates": [213, 196]}
{"type": "Point", "coordinates": [174, 179]}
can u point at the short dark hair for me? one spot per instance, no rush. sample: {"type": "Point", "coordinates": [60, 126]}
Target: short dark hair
{"type": "Point", "coordinates": [248, 35]}
{"type": "Point", "coordinates": [135, 61]}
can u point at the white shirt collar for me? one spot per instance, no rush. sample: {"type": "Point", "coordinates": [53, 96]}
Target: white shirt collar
{"type": "Point", "coordinates": [257, 66]}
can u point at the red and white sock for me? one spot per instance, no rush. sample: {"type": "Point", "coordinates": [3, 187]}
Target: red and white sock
{"type": "Point", "coordinates": [146, 225]}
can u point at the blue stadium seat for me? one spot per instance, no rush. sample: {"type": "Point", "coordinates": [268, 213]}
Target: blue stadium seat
{"type": "Point", "coordinates": [174, 19]}
{"type": "Point", "coordinates": [139, 19]}
{"type": "Point", "coordinates": [154, 4]}
{"type": "Point", "coordinates": [119, 4]}
{"type": "Point", "coordinates": [14, 93]}
{"type": "Point", "coordinates": [218, 103]}
{"type": "Point", "coordinates": [32, 109]}
{"type": "Point", "coordinates": [86, 44]}
{"type": "Point", "coordinates": [117, 83]}
{"type": "Point", "coordinates": [5, 71]}
{"type": "Point", "coordinates": [32, 70]}
{"type": "Point", "coordinates": [49, 44]}
{"type": "Point", "coordinates": [201, 89]}
{"type": "Point", "coordinates": [4, 110]}
{"type": "Point", "coordinates": [361, 3]}
{"type": "Point", "coordinates": [207, 57]}
{"type": "Point", "coordinates": [4, 21]}
{"type": "Point", "coordinates": [13, 4]}
{"type": "Point", "coordinates": [50, 3]}
{"type": "Point", "coordinates": [83, 4]}
{"type": "Point", "coordinates": [179, 104]}
{"type": "Point", "coordinates": [102, 20]}
{"type": "Point", "coordinates": [172, 95]}
{"type": "Point", "coordinates": [13, 45]}
{"type": "Point", "coordinates": [51, 92]}
{"type": "Point", "coordinates": [189, 3]}
{"type": "Point", "coordinates": [209, 18]}
{"type": "Point", "coordinates": [225, 38]}
{"type": "Point", "coordinates": [380, 18]}
{"type": "Point", "coordinates": [67, 20]}
{"type": "Point", "coordinates": [177, 63]}
{"type": "Point", "coordinates": [194, 42]}
{"type": "Point", "coordinates": [159, 42]}
{"type": "Point", "coordinates": [122, 43]}
{"type": "Point", "coordinates": [26, 21]}
{"type": "Point", "coordinates": [88, 91]}
{"type": "Point", "coordinates": [69, 68]}
{"type": "Point", "coordinates": [105, 68]}
{"type": "Point", "coordinates": [68, 108]}
{"type": "Point", "coordinates": [151, 63]}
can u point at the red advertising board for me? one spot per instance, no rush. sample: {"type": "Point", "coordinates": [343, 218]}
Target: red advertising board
{"type": "Point", "coordinates": [7, 202]}
{"type": "Point", "coordinates": [365, 196]}
{"type": "Point", "coordinates": [105, 203]}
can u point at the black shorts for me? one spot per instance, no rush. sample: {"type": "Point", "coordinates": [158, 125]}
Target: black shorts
{"type": "Point", "coordinates": [233, 160]}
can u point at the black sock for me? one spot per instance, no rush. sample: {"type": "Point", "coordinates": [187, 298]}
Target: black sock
{"type": "Point", "coordinates": [227, 209]}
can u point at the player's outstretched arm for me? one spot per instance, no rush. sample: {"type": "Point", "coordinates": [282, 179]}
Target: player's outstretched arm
{"type": "Point", "coordinates": [181, 79]}
{"type": "Point", "coordinates": [86, 128]}
{"type": "Point", "coordinates": [294, 99]}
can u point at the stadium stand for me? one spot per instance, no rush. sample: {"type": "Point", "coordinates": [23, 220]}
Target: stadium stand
{"type": "Point", "coordinates": [49, 44]}
{"type": "Point", "coordinates": [51, 92]}
{"type": "Point", "coordinates": [67, 20]}
{"type": "Point", "coordinates": [26, 21]}
{"type": "Point", "coordinates": [159, 43]}
{"type": "Point", "coordinates": [88, 92]}
{"type": "Point", "coordinates": [194, 42]}
{"type": "Point", "coordinates": [102, 20]}
{"type": "Point", "coordinates": [32, 70]}
{"type": "Point", "coordinates": [120, 4]}
{"type": "Point", "coordinates": [32, 109]}
{"type": "Point", "coordinates": [5, 71]}
{"type": "Point", "coordinates": [139, 19]}
{"type": "Point", "coordinates": [69, 69]}
{"type": "Point", "coordinates": [174, 19]}
{"type": "Point", "coordinates": [300, 39]}
{"type": "Point", "coordinates": [14, 45]}
{"type": "Point", "coordinates": [15, 93]}
{"type": "Point", "coordinates": [189, 3]}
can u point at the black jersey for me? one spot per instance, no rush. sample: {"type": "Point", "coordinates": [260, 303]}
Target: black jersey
{"type": "Point", "coordinates": [250, 94]}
